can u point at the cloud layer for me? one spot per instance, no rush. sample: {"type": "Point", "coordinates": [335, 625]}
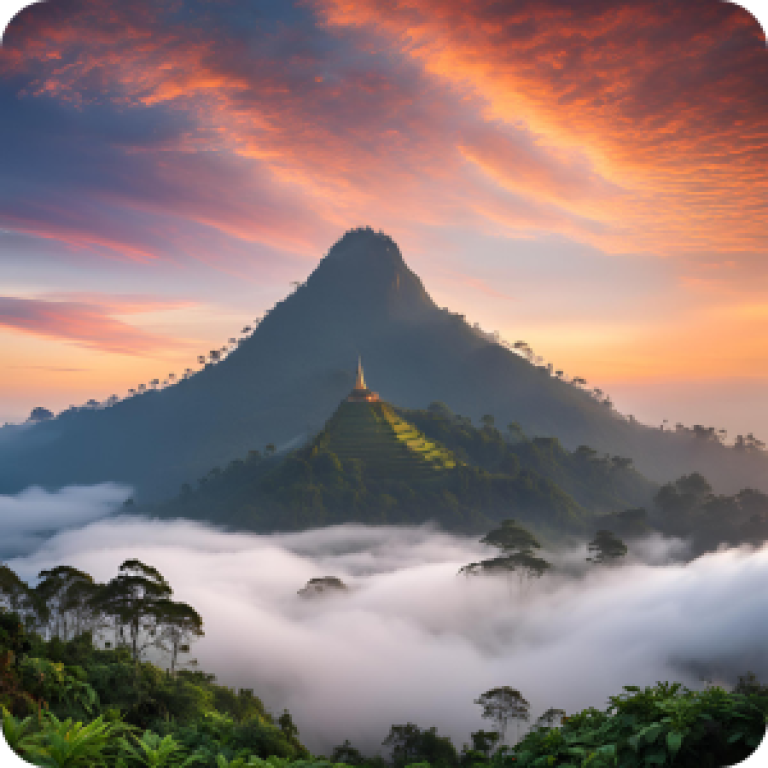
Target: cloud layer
{"type": "Point", "coordinates": [412, 641]}
{"type": "Point", "coordinates": [30, 517]}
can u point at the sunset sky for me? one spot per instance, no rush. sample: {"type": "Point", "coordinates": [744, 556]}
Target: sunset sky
{"type": "Point", "coordinates": [590, 177]}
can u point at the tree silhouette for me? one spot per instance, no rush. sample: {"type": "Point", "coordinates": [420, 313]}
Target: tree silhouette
{"type": "Point", "coordinates": [131, 598]}
{"type": "Point", "coordinates": [517, 546]}
{"type": "Point", "coordinates": [502, 705]}
{"type": "Point", "coordinates": [606, 548]}
{"type": "Point", "coordinates": [179, 624]}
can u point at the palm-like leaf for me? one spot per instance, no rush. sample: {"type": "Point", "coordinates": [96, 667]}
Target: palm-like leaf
{"type": "Point", "coordinates": [66, 744]}
{"type": "Point", "coordinates": [18, 733]}
{"type": "Point", "coordinates": [155, 752]}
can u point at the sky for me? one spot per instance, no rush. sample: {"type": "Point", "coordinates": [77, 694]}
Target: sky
{"type": "Point", "coordinates": [590, 177]}
{"type": "Point", "coordinates": [350, 665]}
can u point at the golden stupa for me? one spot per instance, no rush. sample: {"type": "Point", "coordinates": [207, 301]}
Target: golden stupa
{"type": "Point", "coordinates": [361, 393]}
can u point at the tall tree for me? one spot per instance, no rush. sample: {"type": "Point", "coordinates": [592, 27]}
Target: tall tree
{"type": "Point", "coordinates": [132, 598]}
{"type": "Point", "coordinates": [517, 546]}
{"type": "Point", "coordinates": [66, 593]}
{"type": "Point", "coordinates": [502, 705]}
{"type": "Point", "coordinates": [178, 624]}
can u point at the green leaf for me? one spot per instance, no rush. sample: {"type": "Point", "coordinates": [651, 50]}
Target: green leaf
{"type": "Point", "coordinates": [651, 732]}
{"type": "Point", "coordinates": [735, 737]}
{"type": "Point", "coordinates": [674, 742]}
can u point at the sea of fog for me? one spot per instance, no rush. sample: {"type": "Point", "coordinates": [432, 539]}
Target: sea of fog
{"type": "Point", "coordinates": [411, 641]}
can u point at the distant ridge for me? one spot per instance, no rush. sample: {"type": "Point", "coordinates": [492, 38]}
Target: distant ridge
{"type": "Point", "coordinates": [282, 381]}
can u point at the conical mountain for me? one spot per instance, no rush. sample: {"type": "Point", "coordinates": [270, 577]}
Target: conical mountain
{"type": "Point", "coordinates": [282, 382]}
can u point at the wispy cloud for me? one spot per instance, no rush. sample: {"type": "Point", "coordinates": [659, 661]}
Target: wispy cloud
{"type": "Point", "coordinates": [87, 324]}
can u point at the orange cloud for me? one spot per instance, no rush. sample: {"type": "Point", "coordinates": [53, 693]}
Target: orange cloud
{"type": "Point", "coordinates": [670, 107]}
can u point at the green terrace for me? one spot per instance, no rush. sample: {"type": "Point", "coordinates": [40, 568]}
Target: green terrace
{"type": "Point", "coordinates": [387, 446]}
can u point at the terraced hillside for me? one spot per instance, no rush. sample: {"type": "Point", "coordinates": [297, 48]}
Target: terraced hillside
{"type": "Point", "coordinates": [387, 445]}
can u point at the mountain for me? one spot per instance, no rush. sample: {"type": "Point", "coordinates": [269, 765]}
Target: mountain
{"type": "Point", "coordinates": [280, 384]}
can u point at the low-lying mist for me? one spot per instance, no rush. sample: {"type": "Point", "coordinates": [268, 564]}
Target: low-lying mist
{"type": "Point", "coordinates": [413, 641]}
{"type": "Point", "coordinates": [31, 516]}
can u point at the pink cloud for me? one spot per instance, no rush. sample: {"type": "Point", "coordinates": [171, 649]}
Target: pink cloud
{"type": "Point", "coordinates": [87, 325]}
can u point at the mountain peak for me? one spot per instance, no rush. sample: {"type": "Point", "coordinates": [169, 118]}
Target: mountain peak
{"type": "Point", "coordinates": [364, 244]}
{"type": "Point", "coordinates": [365, 272]}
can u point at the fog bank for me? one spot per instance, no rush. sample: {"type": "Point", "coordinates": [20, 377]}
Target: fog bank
{"type": "Point", "coordinates": [412, 641]}
{"type": "Point", "coordinates": [32, 515]}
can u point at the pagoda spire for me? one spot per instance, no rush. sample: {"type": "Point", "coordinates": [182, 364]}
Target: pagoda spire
{"type": "Point", "coordinates": [361, 393]}
{"type": "Point", "coordinates": [360, 380]}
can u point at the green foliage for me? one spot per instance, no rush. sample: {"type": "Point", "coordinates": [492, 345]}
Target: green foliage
{"type": "Point", "coordinates": [372, 464]}
{"type": "Point", "coordinates": [61, 687]}
{"type": "Point", "coordinates": [69, 744]}
{"type": "Point", "coordinates": [689, 509]}
{"type": "Point", "coordinates": [412, 746]}
{"type": "Point", "coordinates": [153, 751]}
{"type": "Point", "coordinates": [655, 726]}
{"type": "Point", "coordinates": [77, 698]}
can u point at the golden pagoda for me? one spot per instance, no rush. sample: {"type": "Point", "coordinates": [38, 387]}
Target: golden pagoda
{"type": "Point", "coordinates": [361, 393]}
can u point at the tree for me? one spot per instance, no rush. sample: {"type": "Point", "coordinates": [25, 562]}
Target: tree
{"type": "Point", "coordinates": [694, 484]}
{"type": "Point", "coordinates": [511, 538]}
{"type": "Point", "coordinates": [620, 463]}
{"type": "Point", "coordinates": [131, 598]}
{"type": "Point", "coordinates": [347, 754]}
{"type": "Point", "coordinates": [525, 564]}
{"type": "Point", "coordinates": [517, 546]}
{"type": "Point", "coordinates": [269, 449]}
{"type": "Point", "coordinates": [178, 624]}
{"type": "Point", "coordinates": [40, 414]}
{"type": "Point", "coordinates": [606, 548]}
{"type": "Point", "coordinates": [551, 718]}
{"type": "Point", "coordinates": [66, 594]}
{"type": "Point", "coordinates": [488, 421]}
{"type": "Point", "coordinates": [15, 595]}
{"type": "Point", "coordinates": [502, 705]}
{"type": "Point", "coordinates": [412, 745]}
{"type": "Point", "coordinates": [485, 741]}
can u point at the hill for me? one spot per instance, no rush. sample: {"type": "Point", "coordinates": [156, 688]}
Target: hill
{"type": "Point", "coordinates": [386, 445]}
{"type": "Point", "coordinates": [374, 463]}
{"type": "Point", "coordinates": [280, 383]}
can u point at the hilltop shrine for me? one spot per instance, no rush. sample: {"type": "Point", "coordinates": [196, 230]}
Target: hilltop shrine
{"type": "Point", "coordinates": [361, 393]}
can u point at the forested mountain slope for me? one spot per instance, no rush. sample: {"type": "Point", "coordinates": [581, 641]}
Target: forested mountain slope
{"type": "Point", "coordinates": [282, 381]}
